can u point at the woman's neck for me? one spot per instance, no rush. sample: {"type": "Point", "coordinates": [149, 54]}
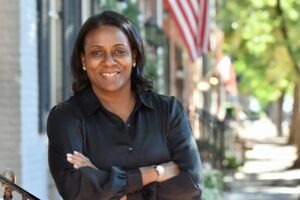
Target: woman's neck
{"type": "Point", "coordinates": [120, 103]}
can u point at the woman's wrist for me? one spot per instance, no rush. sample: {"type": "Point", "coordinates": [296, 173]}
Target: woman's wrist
{"type": "Point", "coordinates": [159, 173]}
{"type": "Point", "coordinates": [149, 174]}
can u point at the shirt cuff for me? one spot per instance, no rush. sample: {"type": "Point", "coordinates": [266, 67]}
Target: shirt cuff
{"type": "Point", "coordinates": [135, 182]}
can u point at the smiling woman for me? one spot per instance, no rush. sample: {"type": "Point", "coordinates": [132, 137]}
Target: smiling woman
{"type": "Point", "coordinates": [115, 138]}
{"type": "Point", "coordinates": [108, 61]}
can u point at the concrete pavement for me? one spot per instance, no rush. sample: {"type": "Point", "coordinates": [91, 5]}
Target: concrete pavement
{"type": "Point", "coordinates": [264, 175]}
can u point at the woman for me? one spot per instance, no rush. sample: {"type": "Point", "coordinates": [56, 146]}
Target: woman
{"type": "Point", "coordinates": [115, 138]}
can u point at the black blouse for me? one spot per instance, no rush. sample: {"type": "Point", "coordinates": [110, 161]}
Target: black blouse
{"type": "Point", "coordinates": [157, 131]}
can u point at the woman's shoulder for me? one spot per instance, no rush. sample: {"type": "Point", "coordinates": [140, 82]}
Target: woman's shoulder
{"type": "Point", "coordinates": [64, 119]}
{"type": "Point", "coordinates": [65, 109]}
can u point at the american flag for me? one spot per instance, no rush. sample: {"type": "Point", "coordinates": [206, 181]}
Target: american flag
{"type": "Point", "coordinates": [192, 20]}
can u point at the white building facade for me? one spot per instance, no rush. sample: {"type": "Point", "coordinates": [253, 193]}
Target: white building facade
{"type": "Point", "coordinates": [36, 38]}
{"type": "Point", "coordinates": [23, 148]}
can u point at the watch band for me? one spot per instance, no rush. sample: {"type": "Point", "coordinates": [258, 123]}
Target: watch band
{"type": "Point", "coordinates": [160, 171]}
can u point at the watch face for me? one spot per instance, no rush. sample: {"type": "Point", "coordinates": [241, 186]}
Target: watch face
{"type": "Point", "coordinates": [161, 170]}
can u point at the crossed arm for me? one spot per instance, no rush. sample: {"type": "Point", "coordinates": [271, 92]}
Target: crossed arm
{"type": "Point", "coordinates": [149, 173]}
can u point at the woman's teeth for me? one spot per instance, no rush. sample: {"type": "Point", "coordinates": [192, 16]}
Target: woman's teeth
{"type": "Point", "coordinates": [109, 74]}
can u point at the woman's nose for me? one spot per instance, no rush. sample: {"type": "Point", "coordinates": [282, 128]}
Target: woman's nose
{"type": "Point", "coordinates": [109, 60]}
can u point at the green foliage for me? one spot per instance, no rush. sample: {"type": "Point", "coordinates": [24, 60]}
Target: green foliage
{"type": "Point", "coordinates": [151, 69]}
{"type": "Point", "coordinates": [213, 179]}
{"type": "Point", "coordinates": [231, 161]}
{"type": "Point", "coordinates": [130, 9]}
{"type": "Point", "coordinates": [253, 35]}
{"type": "Point", "coordinates": [213, 184]}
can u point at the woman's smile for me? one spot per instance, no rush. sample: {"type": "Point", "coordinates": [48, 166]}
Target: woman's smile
{"type": "Point", "coordinates": [111, 75]}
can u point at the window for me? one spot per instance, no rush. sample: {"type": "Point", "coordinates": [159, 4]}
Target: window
{"type": "Point", "coordinates": [43, 63]}
{"type": "Point", "coordinates": [71, 25]}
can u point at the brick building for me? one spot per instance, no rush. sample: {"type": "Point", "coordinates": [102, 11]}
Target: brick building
{"type": "Point", "coordinates": [22, 147]}
{"type": "Point", "coordinates": [36, 41]}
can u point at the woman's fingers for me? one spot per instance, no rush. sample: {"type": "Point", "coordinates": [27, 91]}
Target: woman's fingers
{"type": "Point", "coordinates": [70, 158]}
{"type": "Point", "coordinates": [79, 154]}
{"type": "Point", "coordinates": [78, 160]}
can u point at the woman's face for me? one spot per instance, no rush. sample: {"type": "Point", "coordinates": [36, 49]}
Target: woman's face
{"type": "Point", "coordinates": [108, 59]}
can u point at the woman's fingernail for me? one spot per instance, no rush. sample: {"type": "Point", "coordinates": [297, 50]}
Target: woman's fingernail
{"type": "Point", "coordinates": [69, 155]}
{"type": "Point", "coordinates": [75, 152]}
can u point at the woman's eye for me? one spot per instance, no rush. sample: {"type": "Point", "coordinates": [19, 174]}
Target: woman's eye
{"type": "Point", "coordinates": [120, 52]}
{"type": "Point", "coordinates": [97, 53]}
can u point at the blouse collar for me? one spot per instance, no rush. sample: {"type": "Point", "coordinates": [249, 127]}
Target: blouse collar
{"type": "Point", "coordinates": [89, 102]}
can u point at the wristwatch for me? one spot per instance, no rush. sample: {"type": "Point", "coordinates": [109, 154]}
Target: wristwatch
{"type": "Point", "coordinates": [160, 171]}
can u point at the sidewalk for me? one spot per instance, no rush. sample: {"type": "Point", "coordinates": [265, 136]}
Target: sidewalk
{"type": "Point", "coordinates": [264, 175]}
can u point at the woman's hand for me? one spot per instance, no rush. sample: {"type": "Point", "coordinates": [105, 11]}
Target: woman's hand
{"type": "Point", "coordinates": [171, 170]}
{"type": "Point", "coordinates": [78, 160]}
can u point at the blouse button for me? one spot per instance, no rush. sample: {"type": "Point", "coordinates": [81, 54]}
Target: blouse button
{"type": "Point", "coordinates": [128, 125]}
{"type": "Point", "coordinates": [130, 149]}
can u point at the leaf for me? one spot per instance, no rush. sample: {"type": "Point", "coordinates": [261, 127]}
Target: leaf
{"type": "Point", "coordinates": [253, 36]}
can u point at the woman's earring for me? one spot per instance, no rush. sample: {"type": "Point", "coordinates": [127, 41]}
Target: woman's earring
{"type": "Point", "coordinates": [83, 67]}
{"type": "Point", "coordinates": [134, 64]}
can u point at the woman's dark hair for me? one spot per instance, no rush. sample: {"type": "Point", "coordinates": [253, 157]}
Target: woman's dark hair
{"type": "Point", "coordinates": [139, 82]}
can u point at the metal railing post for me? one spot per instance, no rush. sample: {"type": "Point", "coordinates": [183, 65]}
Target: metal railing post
{"type": "Point", "coordinates": [8, 180]}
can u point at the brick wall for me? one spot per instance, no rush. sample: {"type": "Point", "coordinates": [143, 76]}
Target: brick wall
{"type": "Point", "coordinates": [22, 148]}
{"type": "Point", "coordinates": [10, 87]}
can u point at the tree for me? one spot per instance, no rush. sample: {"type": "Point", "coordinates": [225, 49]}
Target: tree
{"type": "Point", "coordinates": [263, 36]}
{"type": "Point", "coordinates": [294, 54]}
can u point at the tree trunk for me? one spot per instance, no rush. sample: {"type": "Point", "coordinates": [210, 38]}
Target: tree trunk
{"type": "Point", "coordinates": [279, 117]}
{"type": "Point", "coordinates": [294, 120]}
{"type": "Point", "coordinates": [297, 137]}
{"type": "Point", "coordinates": [295, 124]}
{"type": "Point", "coordinates": [297, 130]}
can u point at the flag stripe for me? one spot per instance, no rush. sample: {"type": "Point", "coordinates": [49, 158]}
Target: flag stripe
{"type": "Point", "coordinates": [187, 36]}
{"type": "Point", "coordinates": [206, 19]}
{"type": "Point", "coordinates": [192, 20]}
{"type": "Point", "coordinates": [194, 6]}
{"type": "Point", "coordinates": [184, 14]}
{"type": "Point", "coordinates": [202, 22]}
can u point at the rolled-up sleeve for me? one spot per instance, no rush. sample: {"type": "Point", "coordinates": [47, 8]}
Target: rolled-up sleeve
{"type": "Point", "coordinates": [188, 185]}
{"type": "Point", "coordinates": [135, 182]}
{"type": "Point", "coordinates": [65, 134]}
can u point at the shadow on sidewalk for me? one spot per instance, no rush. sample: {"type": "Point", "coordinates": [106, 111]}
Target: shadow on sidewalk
{"type": "Point", "coordinates": [265, 174]}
